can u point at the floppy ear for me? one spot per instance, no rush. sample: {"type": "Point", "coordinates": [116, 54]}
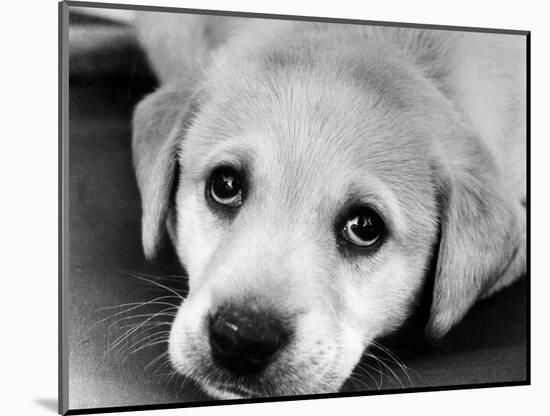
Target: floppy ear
{"type": "Point", "coordinates": [158, 126]}
{"type": "Point", "coordinates": [482, 241]}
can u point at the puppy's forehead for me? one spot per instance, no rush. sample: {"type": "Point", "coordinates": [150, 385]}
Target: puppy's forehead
{"type": "Point", "coordinates": [319, 126]}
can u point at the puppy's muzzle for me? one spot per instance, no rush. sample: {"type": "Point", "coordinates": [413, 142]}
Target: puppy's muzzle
{"type": "Point", "coordinates": [244, 340]}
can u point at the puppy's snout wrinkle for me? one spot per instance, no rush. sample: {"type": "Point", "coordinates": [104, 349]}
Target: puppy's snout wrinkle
{"type": "Point", "coordinates": [245, 340]}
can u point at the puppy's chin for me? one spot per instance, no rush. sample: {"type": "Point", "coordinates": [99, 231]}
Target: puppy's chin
{"type": "Point", "coordinates": [282, 388]}
{"type": "Point", "coordinates": [225, 393]}
{"type": "Point", "coordinates": [284, 378]}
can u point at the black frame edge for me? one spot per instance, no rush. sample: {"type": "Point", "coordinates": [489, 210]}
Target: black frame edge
{"type": "Point", "coordinates": [528, 198]}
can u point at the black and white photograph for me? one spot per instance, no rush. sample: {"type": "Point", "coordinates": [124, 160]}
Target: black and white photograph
{"type": "Point", "coordinates": [276, 207]}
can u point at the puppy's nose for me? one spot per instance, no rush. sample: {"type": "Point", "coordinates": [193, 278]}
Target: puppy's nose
{"type": "Point", "coordinates": [245, 340]}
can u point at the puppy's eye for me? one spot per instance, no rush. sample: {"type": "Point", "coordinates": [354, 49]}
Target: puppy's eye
{"type": "Point", "coordinates": [225, 187]}
{"type": "Point", "coordinates": [363, 228]}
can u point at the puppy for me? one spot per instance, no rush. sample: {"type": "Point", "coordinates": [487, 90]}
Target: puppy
{"type": "Point", "coordinates": [309, 174]}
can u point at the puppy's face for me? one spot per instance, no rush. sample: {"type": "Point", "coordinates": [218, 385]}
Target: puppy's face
{"type": "Point", "coordinates": [306, 218]}
{"type": "Point", "coordinates": [314, 189]}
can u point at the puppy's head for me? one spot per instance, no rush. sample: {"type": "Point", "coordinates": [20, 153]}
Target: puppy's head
{"type": "Point", "coordinates": [308, 208]}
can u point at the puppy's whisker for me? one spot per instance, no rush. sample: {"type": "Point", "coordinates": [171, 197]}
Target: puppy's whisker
{"type": "Point", "coordinates": [138, 304]}
{"type": "Point", "coordinates": [152, 282]}
{"type": "Point", "coordinates": [172, 375]}
{"type": "Point", "coordinates": [148, 325]}
{"type": "Point", "coordinates": [188, 382]}
{"type": "Point", "coordinates": [163, 334]}
{"type": "Point", "coordinates": [388, 368]}
{"type": "Point", "coordinates": [157, 359]}
{"type": "Point", "coordinates": [387, 351]}
{"type": "Point", "coordinates": [402, 367]}
{"type": "Point", "coordinates": [156, 341]}
{"type": "Point", "coordinates": [359, 383]}
{"type": "Point", "coordinates": [133, 329]}
{"type": "Point", "coordinates": [128, 333]}
{"type": "Point", "coordinates": [143, 315]}
{"type": "Point", "coordinates": [355, 381]}
{"type": "Point", "coordinates": [163, 365]}
{"type": "Point", "coordinates": [177, 278]}
{"type": "Point", "coordinates": [159, 277]}
{"type": "Point", "coordinates": [366, 371]}
{"type": "Point", "coordinates": [394, 359]}
{"type": "Point", "coordinates": [127, 350]}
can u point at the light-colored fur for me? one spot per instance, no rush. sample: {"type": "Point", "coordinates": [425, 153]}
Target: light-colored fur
{"type": "Point", "coordinates": [427, 126]}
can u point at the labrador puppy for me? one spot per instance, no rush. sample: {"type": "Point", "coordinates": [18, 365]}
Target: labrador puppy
{"type": "Point", "coordinates": [309, 174]}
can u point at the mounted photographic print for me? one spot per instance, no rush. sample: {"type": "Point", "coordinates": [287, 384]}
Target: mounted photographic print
{"type": "Point", "coordinates": [267, 208]}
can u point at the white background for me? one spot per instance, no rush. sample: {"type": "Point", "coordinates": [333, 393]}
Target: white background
{"type": "Point", "coordinates": [28, 205]}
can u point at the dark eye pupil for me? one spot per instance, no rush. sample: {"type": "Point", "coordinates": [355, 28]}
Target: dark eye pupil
{"type": "Point", "coordinates": [366, 227]}
{"type": "Point", "coordinates": [226, 185]}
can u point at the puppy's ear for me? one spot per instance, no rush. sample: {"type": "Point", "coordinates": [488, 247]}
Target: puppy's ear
{"type": "Point", "coordinates": [482, 241]}
{"type": "Point", "coordinates": [158, 126]}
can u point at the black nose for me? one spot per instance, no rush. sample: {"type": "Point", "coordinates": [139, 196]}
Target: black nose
{"type": "Point", "coordinates": [244, 341]}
